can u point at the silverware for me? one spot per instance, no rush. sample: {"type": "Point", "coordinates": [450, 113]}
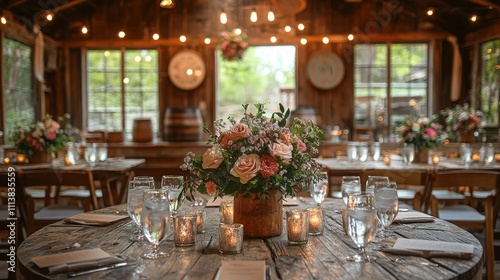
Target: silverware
{"type": "Point", "coordinates": [104, 268]}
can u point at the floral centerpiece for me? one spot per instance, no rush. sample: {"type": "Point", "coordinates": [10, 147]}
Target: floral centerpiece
{"type": "Point", "coordinates": [46, 135]}
{"type": "Point", "coordinates": [259, 161]}
{"type": "Point", "coordinates": [423, 133]}
{"type": "Point", "coordinates": [233, 44]}
{"type": "Point", "coordinates": [462, 120]}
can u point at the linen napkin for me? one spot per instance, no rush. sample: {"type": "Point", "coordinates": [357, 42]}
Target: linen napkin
{"type": "Point", "coordinates": [430, 249]}
{"type": "Point", "coordinates": [84, 265]}
{"type": "Point", "coordinates": [93, 219]}
{"type": "Point", "coordinates": [241, 270]}
{"type": "Point", "coordinates": [77, 256]}
{"type": "Point", "coordinates": [413, 217]}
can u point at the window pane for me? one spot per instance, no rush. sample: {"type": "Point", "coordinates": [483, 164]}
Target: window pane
{"type": "Point", "coordinates": [141, 91]}
{"type": "Point", "coordinates": [104, 90]}
{"type": "Point", "coordinates": [19, 94]}
{"type": "Point", "coordinates": [490, 80]}
{"type": "Point", "coordinates": [266, 74]}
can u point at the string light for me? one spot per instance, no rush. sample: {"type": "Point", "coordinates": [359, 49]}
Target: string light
{"type": "Point", "coordinates": [303, 41]}
{"type": "Point", "coordinates": [156, 36]}
{"type": "Point", "coordinates": [182, 38]}
{"type": "Point", "coordinates": [253, 16]}
{"type": "Point", "coordinates": [300, 26]}
{"type": "Point", "coordinates": [147, 58]}
{"type": "Point", "coordinates": [288, 28]}
{"type": "Point", "coordinates": [237, 31]}
{"type": "Point", "coordinates": [430, 11]}
{"type": "Point", "coordinates": [350, 37]}
{"type": "Point", "coordinates": [3, 20]}
{"type": "Point", "coordinates": [121, 34]}
{"type": "Point", "coordinates": [326, 40]}
{"type": "Point", "coordinates": [50, 16]}
{"type": "Point", "coordinates": [167, 4]}
{"type": "Point", "coordinates": [223, 17]}
{"type": "Point", "coordinates": [273, 39]}
{"type": "Point", "coordinates": [207, 41]}
{"type": "Point", "coordinates": [473, 18]}
{"type": "Point", "coordinates": [85, 30]}
{"type": "Point", "coordinates": [270, 16]}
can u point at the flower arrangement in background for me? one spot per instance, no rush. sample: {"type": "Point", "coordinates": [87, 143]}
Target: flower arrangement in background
{"type": "Point", "coordinates": [233, 44]}
{"type": "Point", "coordinates": [423, 133]}
{"type": "Point", "coordinates": [46, 135]}
{"type": "Point", "coordinates": [462, 119]}
{"type": "Point", "coordinates": [256, 155]}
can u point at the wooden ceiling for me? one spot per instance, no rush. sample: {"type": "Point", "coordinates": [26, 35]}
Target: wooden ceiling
{"type": "Point", "coordinates": [449, 15]}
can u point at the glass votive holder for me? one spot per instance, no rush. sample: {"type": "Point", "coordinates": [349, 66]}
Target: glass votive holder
{"type": "Point", "coordinates": [6, 160]}
{"type": "Point", "coordinates": [435, 158]}
{"type": "Point", "coordinates": [184, 230]}
{"type": "Point", "coordinates": [316, 215]}
{"type": "Point", "coordinates": [200, 220]}
{"type": "Point", "coordinates": [387, 160]}
{"type": "Point", "coordinates": [226, 212]}
{"type": "Point", "coordinates": [230, 238]}
{"type": "Point", "coordinates": [297, 223]}
{"type": "Point", "coordinates": [20, 158]}
{"type": "Point", "coordinates": [102, 152]}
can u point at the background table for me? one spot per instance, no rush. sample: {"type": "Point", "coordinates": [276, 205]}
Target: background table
{"type": "Point", "coordinates": [322, 257]}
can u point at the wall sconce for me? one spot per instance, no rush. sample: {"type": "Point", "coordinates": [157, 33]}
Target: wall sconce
{"type": "Point", "coordinates": [167, 4]}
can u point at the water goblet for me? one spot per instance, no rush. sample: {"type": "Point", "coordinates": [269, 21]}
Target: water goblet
{"type": "Point", "coordinates": [408, 154]}
{"type": "Point", "coordinates": [155, 220]}
{"type": "Point", "coordinates": [174, 185]}
{"type": "Point", "coordinates": [370, 182]}
{"type": "Point", "coordinates": [350, 184]}
{"type": "Point", "coordinates": [136, 189]}
{"type": "Point", "coordinates": [386, 204]}
{"type": "Point", "coordinates": [319, 189]}
{"type": "Point", "coordinates": [361, 224]}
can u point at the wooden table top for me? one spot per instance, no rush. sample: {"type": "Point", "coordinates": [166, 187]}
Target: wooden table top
{"type": "Point", "coordinates": [323, 257]}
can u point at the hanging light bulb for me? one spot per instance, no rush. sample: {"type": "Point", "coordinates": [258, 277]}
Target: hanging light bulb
{"type": "Point", "coordinates": [167, 4]}
{"type": "Point", "coordinates": [273, 39]}
{"type": "Point", "coordinates": [223, 17]}
{"type": "Point", "coordinates": [430, 11]}
{"type": "Point", "coordinates": [156, 36]}
{"type": "Point", "coordinates": [49, 16]}
{"type": "Point", "coordinates": [121, 34]}
{"type": "Point", "coordinates": [253, 16]}
{"type": "Point", "coordinates": [237, 31]}
{"type": "Point", "coordinates": [288, 28]}
{"type": "Point", "coordinates": [300, 26]}
{"type": "Point", "coordinates": [207, 41]}
{"type": "Point", "coordinates": [270, 15]}
{"type": "Point", "coordinates": [3, 20]}
{"type": "Point", "coordinates": [85, 30]}
{"type": "Point", "coordinates": [325, 40]}
{"type": "Point", "coordinates": [350, 37]}
{"type": "Point", "coordinates": [473, 18]}
{"type": "Point", "coordinates": [182, 38]}
{"type": "Point", "coordinates": [303, 41]}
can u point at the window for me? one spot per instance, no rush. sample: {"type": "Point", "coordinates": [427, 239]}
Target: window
{"type": "Point", "coordinates": [18, 85]}
{"type": "Point", "coordinates": [266, 74]}
{"type": "Point", "coordinates": [490, 80]}
{"type": "Point", "coordinates": [112, 107]}
{"type": "Point", "coordinates": [390, 83]}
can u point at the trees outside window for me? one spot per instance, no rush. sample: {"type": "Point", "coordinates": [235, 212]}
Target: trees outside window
{"type": "Point", "coordinates": [490, 80]}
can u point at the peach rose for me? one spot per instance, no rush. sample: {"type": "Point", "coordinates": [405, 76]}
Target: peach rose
{"type": "Point", "coordinates": [268, 166]}
{"type": "Point", "coordinates": [239, 130]}
{"type": "Point", "coordinates": [52, 124]}
{"type": "Point", "coordinates": [301, 147]}
{"type": "Point", "coordinates": [282, 150]}
{"type": "Point", "coordinates": [224, 139]}
{"type": "Point", "coordinates": [211, 187]}
{"type": "Point", "coordinates": [212, 158]}
{"type": "Point", "coordinates": [285, 137]}
{"type": "Point", "coordinates": [246, 167]}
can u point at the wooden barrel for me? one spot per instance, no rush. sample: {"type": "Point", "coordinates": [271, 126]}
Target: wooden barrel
{"type": "Point", "coordinates": [183, 125]}
{"type": "Point", "coordinates": [142, 130]}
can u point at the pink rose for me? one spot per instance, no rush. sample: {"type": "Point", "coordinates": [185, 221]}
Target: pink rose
{"type": "Point", "coordinates": [268, 166]}
{"type": "Point", "coordinates": [51, 134]}
{"type": "Point", "coordinates": [212, 158]}
{"type": "Point", "coordinates": [285, 137]}
{"type": "Point", "coordinates": [239, 130]}
{"type": "Point", "coordinates": [430, 132]}
{"type": "Point", "coordinates": [211, 187]}
{"type": "Point", "coordinates": [301, 146]}
{"type": "Point", "coordinates": [282, 150]}
{"type": "Point", "coordinates": [246, 167]}
{"type": "Point", "coordinates": [51, 124]}
{"type": "Point", "coordinates": [224, 139]}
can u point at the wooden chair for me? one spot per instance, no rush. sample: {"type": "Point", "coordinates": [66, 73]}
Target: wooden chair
{"type": "Point", "coordinates": [52, 213]}
{"type": "Point", "coordinates": [458, 212]}
{"type": "Point", "coordinates": [412, 184]}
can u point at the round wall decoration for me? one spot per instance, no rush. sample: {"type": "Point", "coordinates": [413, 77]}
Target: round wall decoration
{"type": "Point", "coordinates": [186, 70]}
{"type": "Point", "coordinates": [325, 70]}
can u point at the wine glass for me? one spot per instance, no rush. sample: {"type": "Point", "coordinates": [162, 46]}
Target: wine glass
{"type": "Point", "coordinates": [319, 189]}
{"type": "Point", "coordinates": [350, 184]}
{"type": "Point", "coordinates": [408, 153]}
{"type": "Point", "coordinates": [386, 204]}
{"type": "Point", "coordinates": [361, 224]}
{"type": "Point", "coordinates": [174, 185]}
{"type": "Point", "coordinates": [136, 188]}
{"type": "Point", "coordinates": [155, 220]}
{"type": "Point", "coordinates": [370, 182]}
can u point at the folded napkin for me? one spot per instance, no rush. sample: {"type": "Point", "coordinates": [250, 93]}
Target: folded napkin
{"type": "Point", "coordinates": [431, 249]}
{"type": "Point", "coordinates": [428, 254]}
{"type": "Point", "coordinates": [84, 265]}
{"type": "Point", "coordinates": [92, 219]}
{"type": "Point", "coordinates": [413, 217]}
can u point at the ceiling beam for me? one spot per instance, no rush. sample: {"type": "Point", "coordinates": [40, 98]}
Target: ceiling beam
{"type": "Point", "coordinates": [69, 5]}
{"type": "Point", "coordinates": [16, 3]}
{"type": "Point", "coordinates": [486, 3]}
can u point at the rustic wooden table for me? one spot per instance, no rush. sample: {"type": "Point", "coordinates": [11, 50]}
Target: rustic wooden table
{"type": "Point", "coordinates": [323, 257]}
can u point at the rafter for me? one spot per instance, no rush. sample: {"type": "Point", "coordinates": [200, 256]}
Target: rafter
{"type": "Point", "coordinates": [69, 5]}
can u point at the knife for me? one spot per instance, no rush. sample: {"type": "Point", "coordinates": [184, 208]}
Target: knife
{"type": "Point", "coordinates": [104, 268]}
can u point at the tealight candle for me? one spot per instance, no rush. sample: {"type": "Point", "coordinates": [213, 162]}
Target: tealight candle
{"type": "Point", "coordinates": [435, 159]}
{"type": "Point", "coordinates": [387, 160]}
{"type": "Point", "coordinates": [184, 230]}
{"type": "Point", "coordinates": [315, 220]}
{"type": "Point", "coordinates": [297, 222]}
{"type": "Point", "coordinates": [227, 210]}
{"type": "Point", "coordinates": [476, 157]}
{"type": "Point", "coordinates": [69, 159]}
{"type": "Point", "coordinates": [20, 158]}
{"type": "Point", "coordinates": [200, 220]}
{"type": "Point", "coordinates": [230, 238]}
{"type": "Point", "coordinates": [6, 160]}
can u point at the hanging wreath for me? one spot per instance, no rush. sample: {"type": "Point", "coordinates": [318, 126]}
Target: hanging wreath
{"type": "Point", "coordinates": [233, 44]}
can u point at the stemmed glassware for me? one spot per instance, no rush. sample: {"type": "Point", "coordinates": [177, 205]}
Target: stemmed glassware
{"type": "Point", "coordinates": [386, 204]}
{"type": "Point", "coordinates": [155, 220]}
{"type": "Point", "coordinates": [319, 189]}
{"type": "Point", "coordinates": [350, 184]}
{"type": "Point", "coordinates": [370, 182]}
{"type": "Point", "coordinates": [136, 188]}
{"type": "Point", "coordinates": [361, 224]}
{"type": "Point", "coordinates": [174, 185]}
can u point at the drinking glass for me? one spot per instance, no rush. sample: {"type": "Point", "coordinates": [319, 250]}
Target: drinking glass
{"type": "Point", "coordinates": [408, 153]}
{"type": "Point", "coordinates": [136, 188]}
{"type": "Point", "coordinates": [466, 155]}
{"type": "Point", "coordinates": [375, 150]}
{"type": "Point", "coordinates": [174, 185]}
{"type": "Point", "coordinates": [370, 182]}
{"type": "Point", "coordinates": [489, 154]}
{"type": "Point", "coordinates": [350, 184]}
{"type": "Point", "coordinates": [155, 220]}
{"type": "Point", "coordinates": [91, 155]}
{"type": "Point", "coordinates": [386, 204]}
{"type": "Point", "coordinates": [319, 189]}
{"type": "Point", "coordinates": [102, 152]}
{"type": "Point", "coordinates": [361, 224]}
{"type": "Point", "coordinates": [352, 151]}
{"type": "Point", "coordinates": [362, 152]}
